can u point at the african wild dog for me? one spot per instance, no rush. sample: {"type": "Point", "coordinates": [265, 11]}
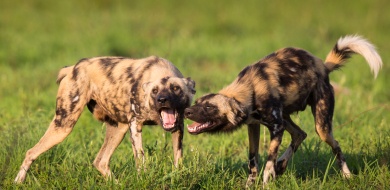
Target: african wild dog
{"type": "Point", "coordinates": [268, 91]}
{"type": "Point", "coordinates": [123, 93]}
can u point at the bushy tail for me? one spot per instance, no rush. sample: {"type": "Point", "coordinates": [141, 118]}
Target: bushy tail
{"type": "Point", "coordinates": [349, 45]}
{"type": "Point", "coordinates": [63, 72]}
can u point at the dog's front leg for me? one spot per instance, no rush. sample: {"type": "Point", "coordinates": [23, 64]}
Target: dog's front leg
{"type": "Point", "coordinates": [136, 141]}
{"type": "Point", "coordinates": [276, 139]}
{"type": "Point", "coordinates": [177, 139]}
{"type": "Point", "coordinates": [254, 138]}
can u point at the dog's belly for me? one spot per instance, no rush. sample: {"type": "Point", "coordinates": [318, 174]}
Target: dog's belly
{"type": "Point", "coordinates": [108, 112]}
{"type": "Point", "coordinates": [112, 103]}
{"type": "Point", "coordinates": [299, 104]}
{"type": "Point", "coordinates": [118, 113]}
{"type": "Point", "coordinates": [296, 96]}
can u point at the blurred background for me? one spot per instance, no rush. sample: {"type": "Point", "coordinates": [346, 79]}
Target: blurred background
{"type": "Point", "coordinates": [209, 41]}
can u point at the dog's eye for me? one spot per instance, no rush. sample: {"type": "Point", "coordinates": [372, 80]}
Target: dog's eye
{"type": "Point", "coordinates": [155, 90]}
{"type": "Point", "coordinates": [175, 88]}
{"type": "Point", "coordinates": [209, 107]}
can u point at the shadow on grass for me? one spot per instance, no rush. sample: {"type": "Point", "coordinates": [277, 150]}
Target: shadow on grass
{"type": "Point", "coordinates": [315, 160]}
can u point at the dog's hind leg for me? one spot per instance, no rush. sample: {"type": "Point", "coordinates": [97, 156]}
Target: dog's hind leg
{"type": "Point", "coordinates": [69, 106]}
{"type": "Point", "coordinates": [297, 137]}
{"type": "Point", "coordinates": [322, 110]}
{"type": "Point", "coordinates": [115, 133]}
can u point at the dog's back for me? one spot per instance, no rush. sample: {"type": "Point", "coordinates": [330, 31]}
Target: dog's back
{"type": "Point", "coordinates": [288, 75]}
{"type": "Point", "coordinates": [291, 75]}
{"type": "Point", "coordinates": [114, 67]}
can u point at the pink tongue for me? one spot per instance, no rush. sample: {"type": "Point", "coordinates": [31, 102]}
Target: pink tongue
{"type": "Point", "coordinates": [168, 116]}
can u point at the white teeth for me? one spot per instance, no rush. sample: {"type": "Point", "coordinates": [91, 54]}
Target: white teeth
{"type": "Point", "coordinates": [199, 127]}
{"type": "Point", "coordinates": [169, 126]}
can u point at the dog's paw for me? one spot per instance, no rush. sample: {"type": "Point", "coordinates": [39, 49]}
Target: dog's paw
{"type": "Point", "coordinates": [269, 172]}
{"type": "Point", "coordinates": [281, 167]}
{"type": "Point", "coordinates": [21, 176]}
{"type": "Point", "coordinates": [250, 181]}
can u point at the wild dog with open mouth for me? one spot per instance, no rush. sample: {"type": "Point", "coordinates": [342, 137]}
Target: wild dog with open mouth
{"type": "Point", "coordinates": [268, 91]}
{"type": "Point", "coordinates": [124, 94]}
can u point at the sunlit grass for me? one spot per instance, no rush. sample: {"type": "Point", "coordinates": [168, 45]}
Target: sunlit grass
{"type": "Point", "coordinates": [211, 43]}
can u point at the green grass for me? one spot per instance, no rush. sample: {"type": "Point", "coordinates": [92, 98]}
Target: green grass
{"type": "Point", "coordinates": [210, 42]}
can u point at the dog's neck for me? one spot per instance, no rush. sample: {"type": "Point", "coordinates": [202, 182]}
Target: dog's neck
{"type": "Point", "coordinates": [242, 93]}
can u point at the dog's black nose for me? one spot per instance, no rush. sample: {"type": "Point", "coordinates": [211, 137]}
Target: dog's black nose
{"type": "Point", "coordinates": [162, 100]}
{"type": "Point", "coordinates": [187, 112]}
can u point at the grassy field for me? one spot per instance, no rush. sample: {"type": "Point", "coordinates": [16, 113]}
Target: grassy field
{"type": "Point", "coordinates": [210, 42]}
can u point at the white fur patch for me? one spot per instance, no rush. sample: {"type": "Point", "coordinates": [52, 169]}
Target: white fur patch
{"type": "Point", "coordinates": [133, 108]}
{"type": "Point", "coordinates": [345, 170]}
{"type": "Point", "coordinates": [274, 113]}
{"type": "Point", "coordinates": [75, 99]}
{"type": "Point", "coordinates": [269, 172]}
{"type": "Point", "coordinates": [363, 47]}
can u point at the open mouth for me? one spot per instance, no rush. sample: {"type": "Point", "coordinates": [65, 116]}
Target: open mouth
{"type": "Point", "coordinates": [199, 127]}
{"type": "Point", "coordinates": [168, 117]}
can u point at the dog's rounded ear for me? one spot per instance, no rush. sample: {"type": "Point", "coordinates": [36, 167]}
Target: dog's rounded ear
{"type": "Point", "coordinates": [190, 84]}
{"type": "Point", "coordinates": [237, 114]}
{"type": "Point", "coordinates": [145, 86]}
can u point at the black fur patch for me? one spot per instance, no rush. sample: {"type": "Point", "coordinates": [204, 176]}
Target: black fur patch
{"type": "Point", "coordinates": [91, 105]}
{"type": "Point", "coordinates": [134, 100]}
{"type": "Point", "coordinates": [343, 53]}
{"type": "Point", "coordinates": [260, 70]}
{"type": "Point", "coordinates": [208, 96]}
{"type": "Point", "coordinates": [286, 79]}
{"type": "Point", "coordinates": [109, 65]}
{"type": "Point", "coordinates": [164, 80]}
{"type": "Point", "coordinates": [149, 63]}
{"type": "Point", "coordinates": [305, 60]}
{"type": "Point", "coordinates": [129, 72]}
{"type": "Point", "coordinates": [149, 122]}
{"type": "Point", "coordinates": [243, 73]}
{"type": "Point", "coordinates": [75, 71]}
{"type": "Point", "coordinates": [110, 121]}
{"type": "Point", "coordinates": [60, 114]}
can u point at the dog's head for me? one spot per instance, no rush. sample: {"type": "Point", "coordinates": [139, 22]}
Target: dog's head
{"type": "Point", "coordinates": [169, 97]}
{"type": "Point", "coordinates": [215, 113]}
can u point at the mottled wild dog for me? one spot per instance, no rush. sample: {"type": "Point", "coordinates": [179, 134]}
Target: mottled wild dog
{"type": "Point", "coordinates": [268, 91]}
{"type": "Point", "coordinates": [123, 93]}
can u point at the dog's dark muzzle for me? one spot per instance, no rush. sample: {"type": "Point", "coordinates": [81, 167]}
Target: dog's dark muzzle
{"type": "Point", "coordinates": [195, 113]}
{"type": "Point", "coordinates": [163, 101]}
{"type": "Point", "coordinates": [188, 112]}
